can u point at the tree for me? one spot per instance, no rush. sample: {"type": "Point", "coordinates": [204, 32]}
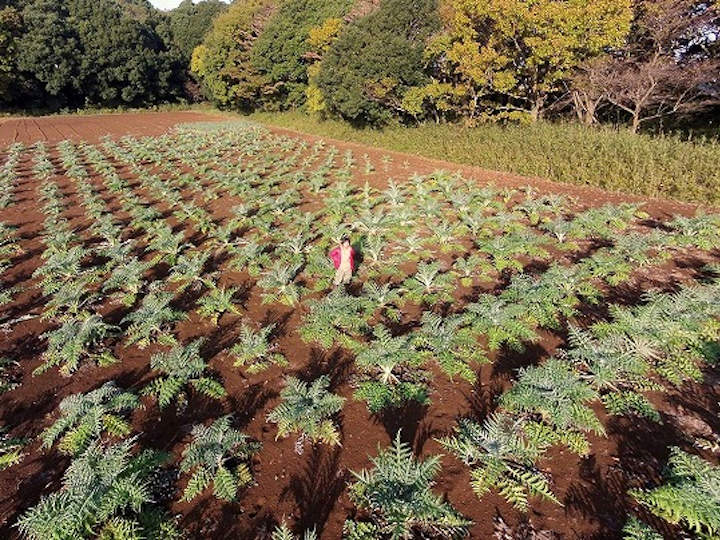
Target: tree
{"type": "Point", "coordinates": [123, 60]}
{"type": "Point", "coordinates": [279, 52]}
{"type": "Point", "coordinates": [50, 49]}
{"type": "Point", "coordinates": [190, 21]}
{"type": "Point", "coordinates": [664, 70]}
{"type": "Point", "coordinates": [518, 53]}
{"type": "Point", "coordinates": [86, 52]}
{"type": "Point", "coordinates": [222, 62]}
{"type": "Point", "coordinates": [10, 30]}
{"type": "Point", "coordinates": [376, 60]}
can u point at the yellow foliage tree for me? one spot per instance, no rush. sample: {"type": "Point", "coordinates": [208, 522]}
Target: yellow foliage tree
{"type": "Point", "coordinates": [222, 62]}
{"type": "Point", "coordinates": [518, 52]}
{"type": "Point", "coordinates": [319, 39]}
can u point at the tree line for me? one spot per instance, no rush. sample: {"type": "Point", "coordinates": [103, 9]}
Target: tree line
{"type": "Point", "coordinates": [371, 62]}
{"type": "Point", "coordinates": [84, 53]}
{"type": "Point", "coordinates": [639, 62]}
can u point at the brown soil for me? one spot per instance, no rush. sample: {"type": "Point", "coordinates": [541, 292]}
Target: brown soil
{"type": "Point", "coordinates": [310, 489]}
{"type": "Point", "coordinates": [92, 128]}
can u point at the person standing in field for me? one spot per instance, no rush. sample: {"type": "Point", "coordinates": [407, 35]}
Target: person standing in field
{"type": "Point", "coordinates": [343, 257]}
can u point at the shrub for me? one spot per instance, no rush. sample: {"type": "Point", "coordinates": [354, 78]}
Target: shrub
{"type": "Point", "coordinates": [501, 454]}
{"type": "Point", "coordinates": [450, 343]}
{"type": "Point", "coordinates": [397, 494]}
{"type": "Point", "coordinates": [217, 301]}
{"type": "Point", "coordinates": [10, 450]}
{"type": "Point", "coordinates": [127, 278]}
{"type": "Point", "coordinates": [181, 366]}
{"type": "Point", "coordinates": [390, 372]}
{"type": "Point", "coordinates": [84, 417]}
{"type": "Point", "coordinates": [428, 285]}
{"type": "Point", "coordinates": [254, 350]}
{"type": "Point", "coordinates": [602, 157]}
{"type": "Point", "coordinates": [555, 393]}
{"type": "Point", "coordinates": [308, 408]}
{"type": "Point", "coordinates": [150, 322]}
{"type": "Point", "coordinates": [282, 532]}
{"type": "Point", "coordinates": [673, 332]}
{"type": "Point", "coordinates": [79, 338]}
{"type": "Point", "coordinates": [208, 457]}
{"type": "Point", "coordinates": [279, 286]}
{"type": "Point", "coordinates": [635, 529]}
{"type": "Point", "coordinates": [616, 367]}
{"type": "Point", "coordinates": [689, 495]}
{"type": "Point", "coordinates": [106, 492]}
{"type": "Point", "coordinates": [333, 319]}
{"type": "Point", "coordinates": [503, 322]}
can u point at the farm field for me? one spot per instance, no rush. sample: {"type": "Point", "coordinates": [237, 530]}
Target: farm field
{"type": "Point", "coordinates": [53, 129]}
{"type": "Point", "coordinates": [175, 357]}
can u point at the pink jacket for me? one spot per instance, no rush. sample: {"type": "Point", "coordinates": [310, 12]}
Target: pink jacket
{"type": "Point", "coordinates": [335, 256]}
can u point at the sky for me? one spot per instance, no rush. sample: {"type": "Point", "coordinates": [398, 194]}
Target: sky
{"type": "Point", "coordinates": [167, 4]}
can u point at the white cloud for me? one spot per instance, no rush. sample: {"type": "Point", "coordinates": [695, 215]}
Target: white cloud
{"type": "Point", "coordinates": [170, 4]}
{"type": "Point", "coordinates": [165, 4]}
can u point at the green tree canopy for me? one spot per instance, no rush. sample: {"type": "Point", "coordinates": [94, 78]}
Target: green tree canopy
{"type": "Point", "coordinates": [10, 31]}
{"type": "Point", "coordinates": [375, 60]}
{"type": "Point", "coordinates": [94, 52]}
{"type": "Point", "coordinates": [279, 53]}
{"type": "Point", "coordinates": [189, 22]}
{"type": "Point", "coordinates": [222, 62]}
